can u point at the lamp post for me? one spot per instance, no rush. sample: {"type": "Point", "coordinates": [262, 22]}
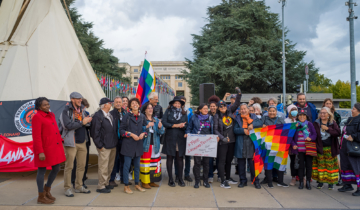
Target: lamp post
{"type": "Point", "coordinates": [283, 52]}
{"type": "Point", "coordinates": [351, 18]}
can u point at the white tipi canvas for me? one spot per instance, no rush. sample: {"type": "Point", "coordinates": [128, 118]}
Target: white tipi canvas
{"type": "Point", "coordinates": [43, 57]}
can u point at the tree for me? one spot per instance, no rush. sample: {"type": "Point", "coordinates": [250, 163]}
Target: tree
{"type": "Point", "coordinates": [240, 46]}
{"type": "Point", "coordinates": [101, 59]}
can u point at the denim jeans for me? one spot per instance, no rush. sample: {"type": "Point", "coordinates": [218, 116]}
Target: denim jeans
{"type": "Point", "coordinates": [127, 165]}
{"type": "Point", "coordinates": [187, 166]}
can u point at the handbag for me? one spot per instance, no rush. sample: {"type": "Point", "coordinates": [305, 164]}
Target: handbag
{"type": "Point", "coordinates": [310, 148]}
{"type": "Point", "coordinates": [353, 148]}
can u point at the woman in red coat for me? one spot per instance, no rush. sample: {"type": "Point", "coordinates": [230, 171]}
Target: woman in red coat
{"type": "Point", "coordinates": [48, 148]}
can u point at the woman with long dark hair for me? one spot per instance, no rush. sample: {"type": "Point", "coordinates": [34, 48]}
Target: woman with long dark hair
{"type": "Point", "coordinates": [48, 148]}
{"type": "Point", "coordinates": [350, 163]}
{"type": "Point", "coordinates": [224, 128]}
{"type": "Point", "coordinates": [150, 171]}
{"type": "Point", "coordinates": [201, 123]}
{"type": "Point", "coordinates": [213, 100]}
{"type": "Point", "coordinates": [175, 121]}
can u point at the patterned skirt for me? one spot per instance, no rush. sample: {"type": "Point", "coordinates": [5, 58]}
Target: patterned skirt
{"type": "Point", "coordinates": [150, 166]}
{"type": "Point", "coordinates": [325, 167]}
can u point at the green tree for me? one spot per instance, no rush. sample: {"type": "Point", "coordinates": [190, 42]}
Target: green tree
{"type": "Point", "coordinates": [240, 46]}
{"type": "Point", "coordinates": [101, 59]}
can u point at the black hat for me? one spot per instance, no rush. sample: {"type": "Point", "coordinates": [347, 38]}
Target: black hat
{"type": "Point", "coordinates": [303, 111]}
{"type": "Point", "coordinates": [177, 98]}
{"type": "Point", "coordinates": [220, 103]}
{"type": "Point", "coordinates": [105, 101]}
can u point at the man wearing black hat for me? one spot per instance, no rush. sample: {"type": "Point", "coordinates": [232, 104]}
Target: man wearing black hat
{"type": "Point", "coordinates": [74, 122]}
{"type": "Point", "coordinates": [105, 139]}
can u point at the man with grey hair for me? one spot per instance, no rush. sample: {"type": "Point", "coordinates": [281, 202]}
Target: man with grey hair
{"type": "Point", "coordinates": [74, 121]}
{"type": "Point", "coordinates": [153, 100]}
{"type": "Point", "coordinates": [273, 102]}
{"type": "Point", "coordinates": [105, 139]}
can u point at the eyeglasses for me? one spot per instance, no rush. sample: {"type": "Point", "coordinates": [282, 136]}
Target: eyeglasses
{"type": "Point", "coordinates": [323, 113]}
{"type": "Point", "coordinates": [150, 108]}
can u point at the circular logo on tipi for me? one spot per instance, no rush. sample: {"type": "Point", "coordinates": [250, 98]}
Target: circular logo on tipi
{"type": "Point", "coordinates": [23, 117]}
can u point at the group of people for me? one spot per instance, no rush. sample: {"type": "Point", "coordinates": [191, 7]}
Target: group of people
{"type": "Point", "coordinates": [128, 139]}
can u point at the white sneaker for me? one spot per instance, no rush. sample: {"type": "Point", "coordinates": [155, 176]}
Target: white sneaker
{"type": "Point", "coordinates": [211, 180]}
{"type": "Point", "coordinates": [69, 193]}
{"type": "Point", "coordinates": [117, 177]}
{"type": "Point", "coordinates": [130, 177]}
{"type": "Point", "coordinates": [82, 190]}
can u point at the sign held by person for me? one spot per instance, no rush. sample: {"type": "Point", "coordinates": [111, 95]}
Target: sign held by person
{"type": "Point", "coordinates": [201, 145]}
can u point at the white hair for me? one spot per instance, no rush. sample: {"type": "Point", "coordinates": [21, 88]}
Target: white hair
{"type": "Point", "coordinates": [102, 106]}
{"type": "Point", "coordinates": [331, 115]}
{"type": "Point", "coordinates": [244, 104]}
{"type": "Point", "coordinates": [118, 97]}
{"type": "Point", "coordinates": [152, 95]}
{"type": "Point", "coordinates": [273, 99]}
{"type": "Point", "coordinates": [257, 106]}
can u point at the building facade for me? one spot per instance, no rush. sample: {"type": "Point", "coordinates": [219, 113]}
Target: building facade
{"type": "Point", "coordinates": [168, 71]}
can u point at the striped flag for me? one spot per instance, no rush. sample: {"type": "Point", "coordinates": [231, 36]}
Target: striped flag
{"type": "Point", "coordinates": [147, 82]}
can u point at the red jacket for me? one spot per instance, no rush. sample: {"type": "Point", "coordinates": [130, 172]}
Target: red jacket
{"type": "Point", "coordinates": [47, 140]}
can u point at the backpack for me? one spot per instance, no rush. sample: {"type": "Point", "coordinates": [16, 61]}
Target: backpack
{"type": "Point", "coordinates": [59, 122]}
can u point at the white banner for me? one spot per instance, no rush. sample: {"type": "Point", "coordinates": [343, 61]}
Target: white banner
{"type": "Point", "coordinates": [201, 145]}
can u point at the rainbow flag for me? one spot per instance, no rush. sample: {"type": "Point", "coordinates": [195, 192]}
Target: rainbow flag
{"type": "Point", "coordinates": [147, 82]}
{"type": "Point", "coordinates": [272, 145]}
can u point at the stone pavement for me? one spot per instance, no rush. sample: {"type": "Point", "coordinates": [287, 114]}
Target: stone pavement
{"type": "Point", "coordinates": [19, 191]}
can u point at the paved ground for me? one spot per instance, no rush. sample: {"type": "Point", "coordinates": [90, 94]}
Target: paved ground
{"type": "Point", "coordinates": [19, 191]}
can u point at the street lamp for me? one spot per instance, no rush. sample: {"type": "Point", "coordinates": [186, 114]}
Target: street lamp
{"type": "Point", "coordinates": [283, 52]}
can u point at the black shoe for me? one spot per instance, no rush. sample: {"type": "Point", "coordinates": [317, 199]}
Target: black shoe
{"type": "Point", "coordinates": [301, 185]}
{"type": "Point", "coordinates": [257, 185]}
{"type": "Point", "coordinates": [345, 188]}
{"type": "Point", "coordinates": [357, 193]}
{"type": "Point", "coordinates": [275, 179]}
{"type": "Point", "coordinates": [242, 184]}
{"type": "Point", "coordinates": [188, 178]}
{"type": "Point", "coordinates": [331, 187]}
{"type": "Point", "coordinates": [270, 185]}
{"type": "Point", "coordinates": [225, 185]}
{"type": "Point", "coordinates": [340, 182]}
{"type": "Point", "coordinates": [196, 185]}
{"type": "Point", "coordinates": [282, 185]}
{"type": "Point", "coordinates": [264, 181]}
{"type": "Point", "coordinates": [103, 190]}
{"type": "Point", "coordinates": [206, 185]}
{"type": "Point", "coordinates": [181, 183]}
{"type": "Point", "coordinates": [122, 182]}
{"type": "Point", "coordinates": [110, 187]}
{"type": "Point", "coordinates": [308, 185]}
{"type": "Point", "coordinates": [171, 183]}
{"type": "Point", "coordinates": [320, 185]}
{"type": "Point", "coordinates": [176, 179]}
{"type": "Point", "coordinates": [231, 181]}
{"type": "Point", "coordinates": [84, 186]}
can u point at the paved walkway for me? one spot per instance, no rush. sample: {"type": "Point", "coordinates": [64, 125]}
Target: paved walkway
{"type": "Point", "coordinates": [19, 191]}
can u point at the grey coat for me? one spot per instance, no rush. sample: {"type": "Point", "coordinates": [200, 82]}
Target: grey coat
{"type": "Point", "coordinates": [266, 120]}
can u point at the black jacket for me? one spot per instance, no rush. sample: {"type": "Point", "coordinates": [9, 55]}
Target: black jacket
{"type": "Point", "coordinates": [129, 146]}
{"type": "Point", "coordinates": [218, 123]}
{"type": "Point", "coordinates": [174, 135]}
{"type": "Point", "coordinates": [117, 116]}
{"type": "Point", "coordinates": [104, 133]}
{"type": "Point", "coordinates": [353, 128]}
{"type": "Point", "coordinates": [158, 110]}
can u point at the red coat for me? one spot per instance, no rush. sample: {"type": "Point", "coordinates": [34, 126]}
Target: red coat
{"type": "Point", "coordinates": [47, 140]}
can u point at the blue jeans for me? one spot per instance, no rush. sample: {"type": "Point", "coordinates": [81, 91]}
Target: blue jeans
{"type": "Point", "coordinates": [118, 166]}
{"type": "Point", "coordinates": [127, 165]}
{"type": "Point", "coordinates": [212, 168]}
{"type": "Point", "coordinates": [187, 166]}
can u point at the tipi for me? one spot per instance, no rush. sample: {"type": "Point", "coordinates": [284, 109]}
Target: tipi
{"type": "Point", "coordinates": [40, 55]}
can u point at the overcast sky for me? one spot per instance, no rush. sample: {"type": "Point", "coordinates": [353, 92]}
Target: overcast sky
{"type": "Point", "coordinates": [163, 28]}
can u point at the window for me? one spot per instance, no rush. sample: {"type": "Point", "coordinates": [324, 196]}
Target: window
{"type": "Point", "coordinates": [165, 77]}
{"type": "Point", "coordinates": [180, 93]}
{"type": "Point", "coordinates": [179, 84]}
{"type": "Point", "coordinates": [157, 68]}
{"type": "Point", "coordinates": [178, 77]}
{"type": "Point", "coordinates": [164, 68]}
{"type": "Point", "coordinates": [135, 77]}
{"type": "Point", "coordinates": [135, 84]}
{"type": "Point", "coordinates": [136, 70]}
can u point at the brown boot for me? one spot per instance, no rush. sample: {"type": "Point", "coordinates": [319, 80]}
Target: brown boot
{"type": "Point", "coordinates": [127, 190]}
{"type": "Point", "coordinates": [146, 186]}
{"type": "Point", "coordinates": [42, 199]}
{"type": "Point", "coordinates": [48, 194]}
{"type": "Point", "coordinates": [152, 184]}
{"type": "Point", "coordinates": [139, 188]}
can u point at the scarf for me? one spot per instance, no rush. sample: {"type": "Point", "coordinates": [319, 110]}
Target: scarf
{"type": "Point", "coordinates": [177, 112]}
{"type": "Point", "coordinates": [304, 128]}
{"type": "Point", "coordinates": [246, 120]}
{"type": "Point", "coordinates": [203, 117]}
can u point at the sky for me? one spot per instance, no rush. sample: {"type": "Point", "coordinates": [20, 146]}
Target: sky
{"type": "Point", "coordinates": [163, 28]}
